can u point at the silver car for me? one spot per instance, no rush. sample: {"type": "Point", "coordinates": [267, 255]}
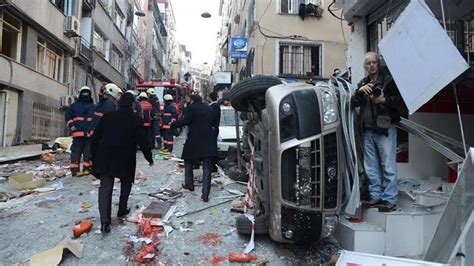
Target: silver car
{"type": "Point", "coordinates": [294, 131]}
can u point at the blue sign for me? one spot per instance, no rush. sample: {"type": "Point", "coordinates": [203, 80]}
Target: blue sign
{"type": "Point", "coordinates": [238, 47]}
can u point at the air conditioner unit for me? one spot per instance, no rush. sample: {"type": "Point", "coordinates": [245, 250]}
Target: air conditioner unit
{"type": "Point", "coordinates": [66, 101]}
{"type": "Point", "coordinates": [72, 27]}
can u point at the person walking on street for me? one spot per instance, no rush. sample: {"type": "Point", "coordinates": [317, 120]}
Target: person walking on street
{"type": "Point", "coordinates": [155, 122]}
{"type": "Point", "coordinates": [147, 115]}
{"type": "Point", "coordinates": [114, 148]}
{"type": "Point", "coordinates": [78, 119]}
{"type": "Point", "coordinates": [169, 116]}
{"type": "Point", "coordinates": [380, 108]}
{"type": "Point", "coordinates": [216, 119]}
{"type": "Point", "coordinates": [200, 144]}
{"type": "Point", "coordinates": [107, 103]}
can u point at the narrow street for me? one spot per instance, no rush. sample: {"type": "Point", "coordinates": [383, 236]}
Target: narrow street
{"type": "Point", "coordinates": [38, 222]}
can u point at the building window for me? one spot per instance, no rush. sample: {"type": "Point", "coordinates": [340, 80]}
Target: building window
{"type": "Point", "coordinates": [300, 59]}
{"type": "Point", "coordinates": [108, 5]}
{"type": "Point", "coordinates": [101, 44]}
{"type": "Point", "coordinates": [116, 59]}
{"type": "Point", "coordinates": [292, 6]}
{"type": "Point", "coordinates": [119, 20]}
{"type": "Point", "coordinates": [68, 7]}
{"type": "Point", "coordinates": [49, 60]}
{"type": "Point", "coordinates": [11, 32]}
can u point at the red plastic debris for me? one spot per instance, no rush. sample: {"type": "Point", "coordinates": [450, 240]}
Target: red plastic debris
{"type": "Point", "coordinates": [83, 227]}
{"type": "Point", "coordinates": [216, 260]}
{"type": "Point", "coordinates": [211, 239]}
{"type": "Point", "coordinates": [241, 257]}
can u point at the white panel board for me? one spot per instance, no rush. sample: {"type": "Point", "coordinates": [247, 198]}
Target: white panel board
{"type": "Point", "coordinates": [420, 55]}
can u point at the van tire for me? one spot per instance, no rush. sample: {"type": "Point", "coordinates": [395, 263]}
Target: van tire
{"type": "Point", "coordinates": [244, 227]}
{"type": "Point", "coordinates": [246, 90]}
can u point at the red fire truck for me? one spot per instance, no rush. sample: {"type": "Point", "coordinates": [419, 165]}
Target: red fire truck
{"type": "Point", "coordinates": [168, 87]}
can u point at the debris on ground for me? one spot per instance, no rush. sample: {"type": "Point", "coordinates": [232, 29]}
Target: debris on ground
{"type": "Point", "coordinates": [156, 209]}
{"type": "Point", "coordinates": [85, 206]}
{"type": "Point", "coordinates": [237, 206]}
{"type": "Point", "coordinates": [166, 194]}
{"type": "Point", "coordinates": [83, 227]}
{"type": "Point", "coordinates": [47, 157]}
{"type": "Point", "coordinates": [55, 255]}
{"type": "Point", "coordinates": [241, 257]}
{"type": "Point", "coordinates": [217, 260]}
{"type": "Point", "coordinates": [50, 172]}
{"type": "Point", "coordinates": [186, 226]}
{"type": "Point", "coordinates": [5, 196]}
{"type": "Point", "coordinates": [25, 181]}
{"type": "Point", "coordinates": [140, 178]}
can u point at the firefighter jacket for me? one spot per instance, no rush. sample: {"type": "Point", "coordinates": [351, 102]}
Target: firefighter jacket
{"type": "Point", "coordinates": [147, 112]}
{"type": "Point", "coordinates": [79, 118]}
{"type": "Point", "coordinates": [106, 105]}
{"type": "Point", "coordinates": [155, 102]}
{"type": "Point", "coordinates": [169, 115]}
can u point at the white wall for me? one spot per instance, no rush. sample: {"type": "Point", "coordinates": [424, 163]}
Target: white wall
{"type": "Point", "coordinates": [424, 161]}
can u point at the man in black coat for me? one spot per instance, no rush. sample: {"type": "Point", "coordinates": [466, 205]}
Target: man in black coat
{"type": "Point", "coordinates": [114, 147]}
{"type": "Point", "coordinates": [200, 145]}
{"type": "Point", "coordinates": [216, 119]}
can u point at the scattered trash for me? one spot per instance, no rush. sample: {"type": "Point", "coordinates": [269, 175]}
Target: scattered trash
{"type": "Point", "coordinates": [50, 172]}
{"type": "Point", "coordinates": [169, 213]}
{"type": "Point", "coordinates": [241, 257]}
{"type": "Point", "coordinates": [57, 186]}
{"type": "Point", "coordinates": [159, 157]}
{"type": "Point", "coordinates": [149, 256]}
{"type": "Point", "coordinates": [85, 206]}
{"type": "Point", "coordinates": [47, 157]}
{"type": "Point", "coordinates": [229, 232]}
{"type": "Point", "coordinates": [181, 214]}
{"type": "Point", "coordinates": [135, 239]}
{"type": "Point", "coordinates": [54, 255]}
{"type": "Point", "coordinates": [237, 206]}
{"type": "Point", "coordinates": [211, 239]}
{"type": "Point", "coordinates": [166, 194]}
{"type": "Point", "coordinates": [174, 159]}
{"type": "Point", "coordinates": [140, 178]}
{"type": "Point", "coordinates": [54, 198]}
{"type": "Point", "coordinates": [98, 232]}
{"type": "Point", "coordinates": [4, 196]}
{"type": "Point", "coordinates": [96, 182]}
{"type": "Point", "coordinates": [168, 229]}
{"type": "Point", "coordinates": [25, 181]}
{"type": "Point", "coordinates": [200, 222]}
{"type": "Point", "coordinates": [83, 227]}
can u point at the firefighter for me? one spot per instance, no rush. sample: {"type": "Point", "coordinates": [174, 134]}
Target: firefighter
{"type": "Point", "coordinates": [147, 115]}
{"type": "Point", "coordinates": [137, 109]}
{"type": "Point", "coordinates": [107, 103]}
{"type": "Point", "coordinates": [155, 122]}
{"type": "Point", "coordinates": [169, 116]}
{"type": "Point", "coordinates": [79, 118]}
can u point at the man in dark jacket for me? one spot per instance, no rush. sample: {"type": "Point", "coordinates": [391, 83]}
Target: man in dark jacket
{"type": "Point", "coordinates": [380, 108]}
{"type": "Point", "coordinates": [114, 148]}
{"type": "Point", "coordinates": [79, 118]}
{"type": "Point", "coordinates": [147, 115]}
{"type": "Point", "coordinates": [108, 103]}
{"type": "Point", "coordinates": [200, 144]}
{"type": "Point", "coordinates": [216, 119]}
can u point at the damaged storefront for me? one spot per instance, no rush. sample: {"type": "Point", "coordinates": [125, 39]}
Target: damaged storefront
{"type": "Point", "coordinates": [436, 83]}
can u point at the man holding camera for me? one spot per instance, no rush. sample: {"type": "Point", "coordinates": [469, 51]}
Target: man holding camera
{"type": "Point", "coordinates": [380, 108]}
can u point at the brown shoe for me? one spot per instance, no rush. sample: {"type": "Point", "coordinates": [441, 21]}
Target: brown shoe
{"type": "Point", "coordinates": [205, 198]}
{"type": "Point", "coordinates": [373, 203]}
{"type": "Point", "coordinates": [189, 187]}
{"type": "Point", "coordinates": [387, 207]}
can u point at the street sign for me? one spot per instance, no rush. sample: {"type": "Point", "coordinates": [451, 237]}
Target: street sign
{"type": "Point", "coordinates": [238, 48]}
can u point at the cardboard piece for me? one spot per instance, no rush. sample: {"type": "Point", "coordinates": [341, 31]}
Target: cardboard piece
{"type": "Point", "coordinates": [25, 181]}
{"type": "Point", "coordinates": [55, 255]}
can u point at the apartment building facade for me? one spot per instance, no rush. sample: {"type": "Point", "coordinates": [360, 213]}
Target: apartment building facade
{"type": "Point", "coordinates": [50, 49]}
{"type": "Point", "coordinates": [292, 39]}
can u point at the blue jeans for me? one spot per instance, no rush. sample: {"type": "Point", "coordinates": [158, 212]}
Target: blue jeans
{"type": "Point", "coordinates": [381, 165]}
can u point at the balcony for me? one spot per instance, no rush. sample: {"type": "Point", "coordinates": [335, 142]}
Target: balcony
{"type": "Point", "coordinates": [89, 4]}
{"type": "Point", "coordinates": [85, 50]}
{"type": "Point", "coordinates": [19, 76]}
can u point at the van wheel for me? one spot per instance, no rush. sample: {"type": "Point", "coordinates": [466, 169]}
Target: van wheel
{"type": "Point", "coordinates": [244, 227]}
{"type": "Point", "coordinates": [248, 91]}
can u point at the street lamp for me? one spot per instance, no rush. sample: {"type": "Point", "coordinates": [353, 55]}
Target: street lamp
{"type": "Point", "coordinates": [206, 15]}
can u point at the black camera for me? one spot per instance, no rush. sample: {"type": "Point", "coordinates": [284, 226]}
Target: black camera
{"type": "Point", "coordinates": [377, 89]}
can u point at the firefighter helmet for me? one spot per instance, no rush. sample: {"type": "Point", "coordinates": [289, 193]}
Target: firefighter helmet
{"type": "Point", "coordinates": [142, 95]}
{"type": "Point", "coordinates": [168, 97]}
{"type": "Point", "coordinates": [85, 88]}
{"type": "Point", "coordinates": [113, 90]}
{"type": "Point", "coordinates": [132, 92]}
{"type": "Point", "coordinates": [151, 91]}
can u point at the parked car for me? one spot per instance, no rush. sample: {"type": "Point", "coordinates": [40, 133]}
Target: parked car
{"type": "Point", "coordinates": [295, 131]}
{"type": "Point", "coordinates": [227, 131]}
